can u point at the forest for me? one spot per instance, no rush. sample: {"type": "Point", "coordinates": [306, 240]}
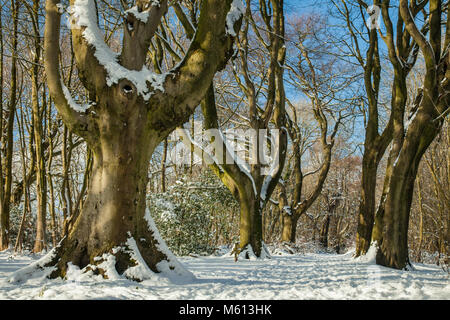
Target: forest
{"type": "Point", "coordinates": [138, 133]}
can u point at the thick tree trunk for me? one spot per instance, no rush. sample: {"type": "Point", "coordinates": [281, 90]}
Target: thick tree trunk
{"type": "Point", "coordinates": [394, 244]}
{"type": "Point", "coordinates": [113, 234]}
{"type": "Point", "coordinates": [431, 106]}
{"type": "Point", "coordinates": [393, 250]}
{"type": "Point", "coordinates": [114, 211]}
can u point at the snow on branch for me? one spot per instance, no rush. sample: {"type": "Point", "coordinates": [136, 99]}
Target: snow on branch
{"type": "Point", "coordinates": [141, 16]}
{"type": "Point", "coordinates": [84, 15]}
{"type": "Point", "coordinates": [72, 103]}
{"type": "Point", "coordinates": [236, 12]}
{"type": "Point", "coordinates": [222, 147]}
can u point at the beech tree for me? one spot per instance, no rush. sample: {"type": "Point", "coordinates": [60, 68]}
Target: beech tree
{"type": "Point", "coordinates": [38, 119]}
{"type": "Point", "coordinates": [8, 140]}
{"type": "Point", "coordinates": [249, 183]}
{"type": "Point", "coordinates": [375, 143]}
{"type": "Point", "coordinates": [402, 52]}
{"type": "Point", "coordinates": [131, 110]}
{"type": "Point", "coordinates": [321, 78]}
{"type": "Point", "coordinates": [425, 122]}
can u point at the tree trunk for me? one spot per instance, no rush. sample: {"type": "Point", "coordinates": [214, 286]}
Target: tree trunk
{"type": "Point", "coordinates": [163, 167]}
{"type": "Point", "coordinates": [49, 174]}
{"type": "Point", "coordinates": [250, 230]}
{"type": "Point", "coordinates": [323, 236]}
{"type": "Point", "coordinates": [26, 202]}
{"type": "Point", "coordinates": [6, 204]}
{"type": "Point", "coordinates": [431, 108]}
{"type": "Point", "coordinates": [393, 250]}
{"type": "Point", "coordinates": [2, 215]}
{"type": "Point", "coordinates": [129, 118]}
{"type": "Point", "coordinates": [41, 183]}
{"type": "Point", "coordinates": [288, 233]}
{"type": "Point", "coordinates": [367, 205]}
{"type": "Point", "coordinates": [419, 198]}
{"type": "Point", "coordinates": [65, 187]}
{"type": "Point", "coordinates": [114, 211]}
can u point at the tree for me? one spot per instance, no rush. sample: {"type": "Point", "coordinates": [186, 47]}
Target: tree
{"type": "Point", "coordinates": [375, 143]}
{"type": "Point", "coordinates": [425, 122]}
{"type": "Point", "coordinates": [3, 216]}
{"type": "Point", "coordinates": [7, 167]}
{"type": "Point", "coordinates": [313, 74]}
{"type": "Point", "coordinates": [248, 183]}
{"type": "Point", "coordinates": [38, 119]}
{"type": "Point", "coordinates": [131, 111]}
{"type": "Point", "coordinates": [402, 52]}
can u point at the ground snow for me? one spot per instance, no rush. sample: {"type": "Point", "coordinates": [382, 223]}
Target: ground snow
{"type": "Point", "coordinates": [308, 276]}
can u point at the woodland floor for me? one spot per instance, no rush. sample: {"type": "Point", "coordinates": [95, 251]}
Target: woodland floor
{"type": "Point", "coordinates": [301, 276]}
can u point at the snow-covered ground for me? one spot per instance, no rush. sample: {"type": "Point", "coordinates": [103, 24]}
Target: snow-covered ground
{"type": "Point", "coordinates": [307, 276]}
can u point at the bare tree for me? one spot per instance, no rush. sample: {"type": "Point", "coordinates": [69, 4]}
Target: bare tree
{"type": "Point", "coordinates": [426, 120]}
{"type": "Point", "coordinates": [7, 167]}
{"type": "Point", "coordinates": [131, 111]}
{"type": "Point", "coordinates": [249, 185]}
{"type": "Point", "coordinates": [313, 75]}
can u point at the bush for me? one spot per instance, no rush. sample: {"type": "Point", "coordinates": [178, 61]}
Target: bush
{"type": "Point", "coordinates": [194, 217]}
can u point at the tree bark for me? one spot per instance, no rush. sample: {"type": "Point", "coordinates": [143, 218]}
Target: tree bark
{"type": "Point", "coordinates": [367, 206]}
{"type": "Point", "coordinates": [393, 251]}
{"type": "Point", "coordinates": [114, 209]}
{"type": "Point", "coordinates": [289, 231]}
{"type": "Point", "coordinates": [323, 235]}
{"type": "Point", "coordinates": [250, 229]}
{"type": "Point", "coordinates": [3, 239]}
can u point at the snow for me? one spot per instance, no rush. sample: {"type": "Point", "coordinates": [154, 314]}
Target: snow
{"type": "Point", "coordinates": [141, 16]}
{"type": "Point", "coordinates": [248, 253]}
{"type": "Point", "coordinates": [243, 167]}
{"type": "Point", "coordinates": [74, 105]}
{"type": "Point", "coordinates": [34, 270]}
{"type": "Point", "coordinates": [171, 268]}
{"type": "Point", "coordinates": [140, 271]}
{"type": "Point", "coordinates": [370, 256]}
{"type": "Point", "coordinates": [288, 210]}
{"type": "Point", "coordinates": [109, 265]}
{"type": "Point", "coordinates": [236, 11]}
{"type": "Point", "coordinates": [284, 277]}
{"type": "Point", "coordinates": [83, 13]}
